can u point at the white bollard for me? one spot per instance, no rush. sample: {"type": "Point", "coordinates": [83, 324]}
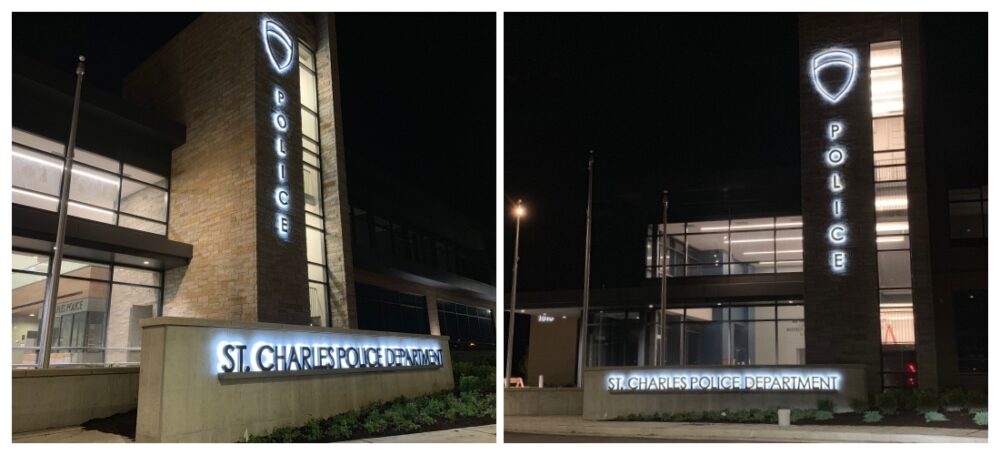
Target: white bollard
{"type": "Point", "coordinates": [541, 381]}
{"type": "Point", "coordinates": [784, 417]}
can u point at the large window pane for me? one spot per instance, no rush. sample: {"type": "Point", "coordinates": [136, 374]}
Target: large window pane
{"type": "Point", "coordinates": [966, 220]}
{"type": "Point", "coordinates": [894, 269]}
{"type": "Point", "coordinates": [27, 296]}
{"type": "Point", "coordinates": [897, 325]}
{"type": "Point", "coordinates": [752, 252]}
{"type": "Point", "coordinates": [142, 224]}
{"type": "Point", "coordinates": [887, 91]}
{"type": "Point", "coordinates": [78, 334]}
{"type": "Point", "coordinates": [791, 342]}
{"type": "Point", "coordinates": [143, 175]}
{"type": "Point", "coordinates": [315, 250]}
{"type": "Point", "coordinates": [886, 54]}
{"type": "Point", "coordinates": [307, 83]}
{"type": "Point", "coordinates": [752, 224]}
{"type": "Point", "coordinates": [137, 276]}
{"type": "Point", "coordinates": [312, 184]}
{"type": "Point", "coordinates": [144, 200]}
{"type": "Point", "coordinates": [888, 134]}
{"type": "Point", "coordinates": [970, 312]}
{"type": "Point", "coordinates": [708, 249]}
{"type": "Point", "coordinates": [317, 304]}
{"type": "Point", "coordinates": [754, 343]}
{"type": "Point", "coordinates": [35, 171]}
{"type": "Point", "coordinates": [129, 305]}
{"type": "Point", "coordinates": [706, 343]}
{"type": "Point", "coordinates": [94, 187]}
{"type": "Point", "coordinates": [310, 125]}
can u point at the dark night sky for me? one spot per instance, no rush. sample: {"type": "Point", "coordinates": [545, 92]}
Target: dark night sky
{"type": "Point", "coordinates": [418, 100]}
{"type": "Point", "coordinates": [707, 103]}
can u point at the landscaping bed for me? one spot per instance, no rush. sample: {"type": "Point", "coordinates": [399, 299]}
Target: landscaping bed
{"type": "Point", "coordinates": [956, 419]}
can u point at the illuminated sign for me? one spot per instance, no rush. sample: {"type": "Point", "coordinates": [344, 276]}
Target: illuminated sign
{"type": "Point", "coordinates": [725, 380]}
{"type": "Point", "coordinates": [833, 72]}
{"type": "Point", "coordinates": [240, 357]}
{"type": "Point", "coordinates": [279, 46]}
{"type": "Point", "coordinates": [546, 318]}
{"type": "Point", "coordinates": [280, 51]}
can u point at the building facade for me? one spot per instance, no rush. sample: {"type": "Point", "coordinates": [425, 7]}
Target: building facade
{"type": "Point", "coordinates": [216, 189]}
{"type": "Point", "coordinates": [884, 266]}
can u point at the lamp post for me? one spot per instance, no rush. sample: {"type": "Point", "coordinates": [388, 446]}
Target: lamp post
{"type": "Point", "coordinates": [661, 358]}
{"type": "Point", "coordinates": [582, 335]}
{"type": "Point", "coordinates": [518, 213]}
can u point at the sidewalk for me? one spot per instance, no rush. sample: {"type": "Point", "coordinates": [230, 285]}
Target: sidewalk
{"type": "Point", "coordinates": [485, 433]}
{"type": "Point", "coordinates": [575, 425]}
{"type": "Point", "coordinates": [69, 434]}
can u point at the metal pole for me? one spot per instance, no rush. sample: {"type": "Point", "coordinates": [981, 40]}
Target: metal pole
{"type": "Point", "coordinates": [664, 251]}
{"type": "Point", "coordinates": [52, 287]}
{"type": "Point", "coordinates": [582, 347]}
{"type": "Point", "coordinates": [513, 294]}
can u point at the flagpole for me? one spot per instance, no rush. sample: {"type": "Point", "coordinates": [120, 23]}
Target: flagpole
{"type": "Point", "coordinates": [664, 252]}
{"type": "Point", "coordinates": [55, 267]}
{"type": "Point", "coordinates": [582, 348]}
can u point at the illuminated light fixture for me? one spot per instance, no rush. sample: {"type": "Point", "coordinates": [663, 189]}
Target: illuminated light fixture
{"type": "Point", "coordinates": [837, 234]}
{"type": "Point", "coordinates": [892, 226]}
{"type": "Point", "coordinates": [56, 166]}
{"type": "Point", "coordinates": [891, 203]}
{"type": "Point", "coordinates": [278, 45]}
{"type": "Point", "coordinates": [71, 203]}
{"type": "Point", "coordinates": [31, 315]}
{"type": "Point", "coordinates": [835, 156]}
{"type": "Point", "coordinates": [836, 182]}
{"type": "Point", "coordinates": [773, 252]}
{"type": "Point", "coordinates": [838, 261]}
{"type": "Point", "coordinates": [829, 60]}
{"type": "Point", "coordinates": [896, 305]}
{"type": "Point", "coordinates": [751, 226]}
{"type": "Point", "coordinates": [145, 262]}
{"type": "Point", "coordinates": [762, 240]}
{"type": "Point", "coordinates": [889, 239]}
{"type": "Point", "coordinates": [793, 261]}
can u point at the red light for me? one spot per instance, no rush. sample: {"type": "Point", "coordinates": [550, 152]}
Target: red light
{"type": "Point", "coordinates": [911, 381]}
{"type": "Point", "coordinates": [911, 367]}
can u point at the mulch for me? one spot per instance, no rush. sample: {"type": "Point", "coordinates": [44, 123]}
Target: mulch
{"type": "Point", "coordinates": [902, 419]}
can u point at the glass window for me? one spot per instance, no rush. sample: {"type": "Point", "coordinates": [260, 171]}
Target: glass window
{"type": "Point", "coordinates": [708, 248]}
{"type": "Point", "coordinates": [754, 343]}
{"type": "Point", "coordinates": [889, 298]}
{"type": "Point", "coordinates": [971, 330]}
{"type": "Point", "coordinates": [887, 91]}
{"type": "Point", "coordinates": [897, 325]}
{"type": "Point", "coordinates": [708, 226]}
{"type": "Point", "coordinates": [893, 242]}
{"type": "Point", "coordinates": [137, 276]}
{"type": "Point", "coordinates": [317, 304]}
{"type": "Point", "coordinates": [312, 185]}
{"type": "Point", "coordinates": [753, 252]}
{"type": "Point", "coordinates": [966, 220]}
{"type": "Point", "coordinates": [316, 272]}
{"type": "Point", "coordinates": [306, 57]}
{"type": "Point", "coordinates": [97, 190]}
{"type": "Point", "coordinates": [888, 134]}
{"type": "Point", "coordinates": [78, 332]}
{"type": "Point", "coordinates": [388, 310]}
{"type": "Point", "coordinates": [752, 224]}
{"type": "Point", "coordinates": [129, 305]}
{"type": "Point", "coordinates": [27, 296]}
{"type": "Point", "coordinates": [142, 224]}
{"type": "Point", "coordinates": [35, 171]}
{"type": "Point", "coordinates": [886, 54]}
{"type": "Point", "coordinates": [785, 222]}
{"type": "Point", "coordinates": [791, 312]}
{"type": "Point", "coordinates": [144, 176]}
{"type": "Point", "coordinates": [894, 269]}
{"type": "Point", "coordinates": [469, 327]}
{"type": "Point", "coordinates": [889, 173]}
{"type": "Point", "coordinates": [307, 83]}
{"type": "Point", "coordinates": [315, 250]}
{"type": "Point", "coordinates": [890, 158]}
{"type": "Point", "coordinates": [144, 200]}
{"type": "Point", "coordinates": [310, 125]}
{"type": "Point", "coordinates": [791, 342]}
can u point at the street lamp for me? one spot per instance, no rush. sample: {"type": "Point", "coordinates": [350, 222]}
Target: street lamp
{"type": "Point", "coordinates": [518, 213]}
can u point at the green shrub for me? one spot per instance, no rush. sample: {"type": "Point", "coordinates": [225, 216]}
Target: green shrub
{"type": "Point", "coordinates": [375, 422]}
{"type": "Point", "coordinates": [872, 417]}
{"type": "Point", "coordinates": [934, 416]}
{"type": "Point", "coordinates": [980, 418]}
{"type": "Point", "coordinates": [859, 405]}
{"type": "Point", "coordinates": [926, 400]}
{"type": "Point", "coordinates": [824, 404]}
{"type": "Point", "coordinates": [955, 397]}
{"type": "Point", "coordinates": [820, 415]}
{"type": "Point", "coordinates": [976, 398]}
{"type": "Point", "coordinates": [798, 415]}
{"type": "Point", "coordinates": [887, 402]}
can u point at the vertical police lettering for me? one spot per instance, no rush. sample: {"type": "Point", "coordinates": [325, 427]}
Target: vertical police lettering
{"type": "Point", "coordinates": [833, 72]}
{"type": "Point", "coordinates": [281, 53]}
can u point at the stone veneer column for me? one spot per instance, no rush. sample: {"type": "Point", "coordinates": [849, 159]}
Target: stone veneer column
{"type": "Point", "coordinates": [336, 208]}
{"type": "Point", "coordinates": [214, 78]}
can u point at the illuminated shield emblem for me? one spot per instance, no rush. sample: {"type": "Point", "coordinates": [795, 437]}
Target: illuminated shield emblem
{"type": "Point", "coordinates": [278, 45]}
{"type": "Point", "coordinates": [833, 72]}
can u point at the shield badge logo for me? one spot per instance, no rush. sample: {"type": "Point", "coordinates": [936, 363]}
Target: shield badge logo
{"type": "Point", "coordinates": [278, 45]}
{"type": "Point", "coordinates": [833, 72]}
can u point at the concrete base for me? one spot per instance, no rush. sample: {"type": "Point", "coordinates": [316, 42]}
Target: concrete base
{"type": "Point", "coordinates": [183, 399]}
{"type": "Point", "coordinates": [745, 432]}
{"type": "Point", "coordinates": [62, 397]}
{"type": "Point", "coordinates": [599, 403]}
{"type": "Point", "coordinates": [480, 434]}
{"type": "Point", "coordinates": [531, 401]}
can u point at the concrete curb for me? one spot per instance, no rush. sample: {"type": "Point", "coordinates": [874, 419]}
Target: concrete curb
{"type": "Point", "coordinates": [573, 425]}
{"type": "Point", "coordinates": [480, 434]}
